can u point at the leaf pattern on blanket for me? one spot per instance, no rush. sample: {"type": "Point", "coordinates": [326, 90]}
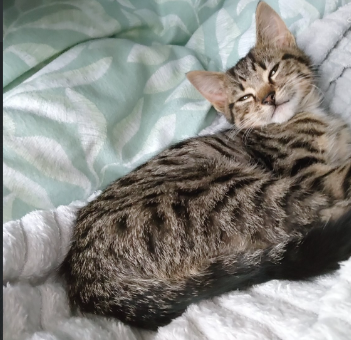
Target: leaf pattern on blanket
{"type": "Point", "coordinates": [48, 23]}
{"type": "Point", "coordinates": [197, 106]}
{"type": "Point", "coordinates": [184, 90]}
{"type": "Point", "coordinates": [169, 75]}
{"type": "Point", "coordinates": [92, 88]}
{"type": "Point", "coordinates": [61, 62]}
{"type": "Point", "coordinates": [149, 55]}
{"type": "Point", "coordinates": [247, 39]}
{"type": "Point", "coordinates": [48, 157]}
{"type": "Point", "coordinates": [197, 41]}
{"type": "Point", "coordinates": [161, 134]}
{"type": "Point", "coordinates": [81, 76]}
{"type": "Point", "coordinates": [32, 193]}
{"type": "Point", "coordinates": [91, 125]}
{"type": "Point", "coordinates": [31, 53]}
{"type": "Point", "coordinates": [241, 5]}
{"type": "Point", "coordinates": [126, 3]}
{"type": "Point", "coordinates": [9, 125]}
{"type": "Point", "coordinates": [226, 32]}
{"type": "Point", "coordinates": [125, 130]}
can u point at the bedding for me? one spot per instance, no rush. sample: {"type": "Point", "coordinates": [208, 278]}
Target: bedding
{"type": "Point", "coordinates": [94, 88]}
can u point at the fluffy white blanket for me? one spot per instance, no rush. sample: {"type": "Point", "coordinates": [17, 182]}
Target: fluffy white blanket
{"type": "Point", "coordinates": [35, 305]}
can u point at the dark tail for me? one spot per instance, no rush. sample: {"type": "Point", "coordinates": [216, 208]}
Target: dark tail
{"type": "Point", "coordinates": [318, 252]}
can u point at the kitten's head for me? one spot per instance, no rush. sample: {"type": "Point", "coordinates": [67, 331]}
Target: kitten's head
{"type": "Point", "coordinates": [270, 85]}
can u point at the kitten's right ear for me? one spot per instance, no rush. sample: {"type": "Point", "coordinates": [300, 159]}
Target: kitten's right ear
{"type": "Point", "coordinates": [271, 29]}
{"type": "Point", "coordinates": [211, 86]}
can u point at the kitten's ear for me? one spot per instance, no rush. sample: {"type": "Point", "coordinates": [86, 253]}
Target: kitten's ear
{"type": "Point", "coordinates": [271, 29]}
{"type": "Point", "coordinates": [211, 86]}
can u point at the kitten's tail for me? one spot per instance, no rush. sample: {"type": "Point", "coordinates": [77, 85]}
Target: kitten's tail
{"type": "Point", "coordinates": [318, 252]}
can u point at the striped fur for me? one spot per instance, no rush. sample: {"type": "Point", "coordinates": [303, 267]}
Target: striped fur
{"type": "Point", "coordinates": [217, 213]}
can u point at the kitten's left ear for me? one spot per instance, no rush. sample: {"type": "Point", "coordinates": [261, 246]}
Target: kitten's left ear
{"type": "Point", "coordinates": [211, 86]}
{"type": "Point", "coordinates": [271, 29]}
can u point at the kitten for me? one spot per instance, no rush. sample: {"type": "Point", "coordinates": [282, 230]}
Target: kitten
{"type": "Point", "coordinates": [268, 199]}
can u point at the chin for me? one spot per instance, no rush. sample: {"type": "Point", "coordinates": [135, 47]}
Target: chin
{"type": "Point", "coordinates": [283, 113]}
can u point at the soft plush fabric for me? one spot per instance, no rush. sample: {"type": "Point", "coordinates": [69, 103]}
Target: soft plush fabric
{"type": "Point", "coordinates": [35, 303]}
{"type": "Point", "coordinates": [93, 88]}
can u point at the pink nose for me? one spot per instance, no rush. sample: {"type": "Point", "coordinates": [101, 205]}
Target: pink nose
{"type": "Point", "coordinates": [269, 99]}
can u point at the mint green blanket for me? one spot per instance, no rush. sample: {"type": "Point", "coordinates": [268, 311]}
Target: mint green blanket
{"type": "Point", "coordinates": [94, 88]}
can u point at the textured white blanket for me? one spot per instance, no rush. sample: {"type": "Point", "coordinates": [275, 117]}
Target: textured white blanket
{"type": "Point", "coordinates": [35, 305]}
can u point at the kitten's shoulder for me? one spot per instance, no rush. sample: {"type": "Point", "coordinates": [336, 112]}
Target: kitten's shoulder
{"type": "Point", "coordinates": [337, 137]}
{"type": "Point", "coordinates": [330, 119]}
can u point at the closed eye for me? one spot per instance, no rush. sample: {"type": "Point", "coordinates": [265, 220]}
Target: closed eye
{"type": "Point", "coordinates": [243, 98]}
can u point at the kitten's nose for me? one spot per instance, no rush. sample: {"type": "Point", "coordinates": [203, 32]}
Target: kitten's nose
{"type": "Point", "coordinates": [269, 99]}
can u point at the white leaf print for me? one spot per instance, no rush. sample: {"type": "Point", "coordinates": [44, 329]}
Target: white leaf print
{"type": "Point", "coordinates": [72, 19]}
{"type": "Point", "coordinates": [31, 53]}
{"type": "Point", "coordinates": [163, 1]}
{"type": "Point", "coordinates": [9, 126]}
{"type": "Point", "coordinates": [134, 21]}
{"type": "Point", "coordinates": [210, 3]}
{"type": "Point", "coordinates": [103, 171]}
{"type": "Point", "coordinates": [148, 55]}
{"type": "Point", "coordinates": [302, 8]}
{"type": "Point", "coordinates": [172, 20]}
{"type": "Point", "coordinates": [161, 136]}
{"type": "Point", "coordinates": [226, 32]}
{"type": "Point", "coordinates": [48, 156]}
{"type": "Point", "coordinates": [7, 206]}
{"type": "Point", "coordinates": [125, 130]}
{"type": "Point", "coordinates": [25, 189]}
{"type": "Point", "coordinates": [291, 9]}
{"type": "Point", "coordinates": [197, 106]}
{"type": "Point", "coordinates": [248, 39]}
{"type": "Point", "coordinates": [161, 24]}
{"type": "Point", "coordinates": [126, 3]}
{"type": "Point", "coordinates": [108, 158]}
{"type": "Point", "coordinates": [197, 41]}
{"type": "Point", "coordinates": [59, 63]}
{"type": "Point", "coordinates": [241, 5]}
{"type": "Point", "coordinates": [80, 76]}
{"type": "Point", "coordinates": [77, 110]}
{"type": "Point", "coordinates": [91, 125]}
{"type": "Point", "coordinates": [169, 75]}
{"type": "Point", "coordinates": [52, 106]}
{"type": "Point", "coordinates": [184, 90]}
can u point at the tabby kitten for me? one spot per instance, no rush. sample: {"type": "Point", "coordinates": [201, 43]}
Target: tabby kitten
{"type": "Point", "coordinates": [267, 199]}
